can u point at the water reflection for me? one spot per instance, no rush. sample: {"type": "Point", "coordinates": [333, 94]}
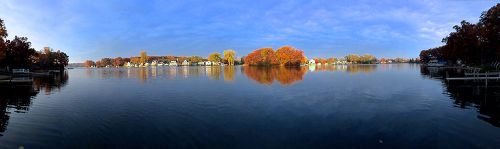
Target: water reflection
{"type": "Point", "coordinates": [352, 69]}
{"type": "Point", "coordinates": [229, 72]}
{"type": "Point", "coordinates": [470, 94]}
{"type": "Point", "coordinates": [17, 98]}
{"type": "Point", "coordinates": [284, 75]}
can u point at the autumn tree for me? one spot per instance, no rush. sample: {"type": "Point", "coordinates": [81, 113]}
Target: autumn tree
{"type": "Point", "coordinates": [88, 63]}
{"type": "Point", "coordinates": [332, 60]}
{"type": "Point", "coordinates": [143, 58]}
{"type": "Point", "coordinates": [19, 52]}
{"type": "Point", "coordinates": [288, 55]}
{"type": "Point", "coordinates": [367, 59]}
{"type": "Point", "coordinates": [117, 62]}
{"type": "Point", "coordinates": [262, 56]}
{"type": "Point", "coordinates": [195, 59]}
{"type": "Point", "coordinates": [135, 60]}
{"type": "Point", "coordinates": [229, 56]}
{"type": "Point", "coordinates": [473, 44]}
{"type": "Point", "coordinates": [353, 58]}
{"type": "Point", "coordinates": [61, 59]}
{"type": "Point", "coordinates": [215, 57]}
{"type": "Point", "coordinates": [3, 47]}
{"type": "Point", "coordinates": [106, 62]}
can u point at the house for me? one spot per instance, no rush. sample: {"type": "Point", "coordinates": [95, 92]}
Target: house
{"type": "Point", "coordinates": [128, 64]}
{"type": "Point", "coordinates": [208, 63]}
{"type": "Point", "coordinates": [185, 63]}
{"type": "Point", "coordinates": [173, 63]}
{"type": "Point", "coordinates": [201, 63]}
{"type": "Point", "coordinates": [312, 62]}
{"type": "Point", "coordinates": [154, 63]}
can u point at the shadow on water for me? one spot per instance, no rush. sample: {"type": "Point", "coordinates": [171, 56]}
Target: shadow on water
{"type": "Point", "coordinates": [17, 98]}
{"type": "Point", "coordinates": [470, 94]}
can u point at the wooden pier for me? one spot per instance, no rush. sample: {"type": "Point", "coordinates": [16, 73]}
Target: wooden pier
{"type": "Point", "coordinates": [14, 81]}
{"type": "Point", "coordinates": [474, 78]}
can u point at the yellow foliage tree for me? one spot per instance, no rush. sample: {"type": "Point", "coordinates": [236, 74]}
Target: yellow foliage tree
{"type": "Point", "coordinates": [229, 56]}
{"type": "Point", "coordinates": [143, 58]}
{"type": "Point", "coordinates": [215, 57]}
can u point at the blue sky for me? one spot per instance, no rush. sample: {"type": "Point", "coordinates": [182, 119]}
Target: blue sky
{"type": "Point", "coordinates": [322, 28]}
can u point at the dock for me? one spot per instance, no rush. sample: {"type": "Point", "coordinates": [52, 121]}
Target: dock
{"type": "Point", "coordinates": [474, 78]}
{"type": "Point", "coordinates": [17, 81]}
{"type": "Point", "coordinates": [485, 79]}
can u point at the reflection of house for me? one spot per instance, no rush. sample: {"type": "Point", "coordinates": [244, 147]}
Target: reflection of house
{"type": "Point", "coordinates": [173, 63]}
{"type": "Point", "coordinates": [185, 63]}
{"type": "Point", "coordinates": [208, 63]}
{"type": "Point", "coordinates": [312, 62]}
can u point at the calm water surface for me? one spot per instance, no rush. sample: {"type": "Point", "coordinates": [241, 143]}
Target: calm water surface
{"type": "Point", "coordinates": [357, 106]}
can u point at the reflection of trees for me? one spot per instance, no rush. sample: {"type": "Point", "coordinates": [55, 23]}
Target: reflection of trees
{"type": "Point", "coordinates": [213, 72]}
{"type": "Point", "coordinates": [18, 98]}
{"type": "Point", "coordinates": [471, 93]}
{"type": "Point", "coordinates": [47, 84]}
{"type": "Point", "coordinates": [229, 73]}
{"type": "Point", "coordinates": [284, 75]}
{"type": "Point", "coordinates": [348, 68]}
{"type": "Point", "coordinates": [361, 68]}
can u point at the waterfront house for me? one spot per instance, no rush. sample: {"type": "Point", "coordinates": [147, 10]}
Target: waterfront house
{"type": "Point", "coordinates": [201, 63]}
{"type": "Point", "coordinates": [129, 64]}
{"type": "Point", "coordinates": [173, 63]}
{"type": "Point", "coordinates": [185, 63]}
{"type": "Point", "coordinates": [208, 63]}
{"type": "Point", "coordinates": [312, 62]}
{"type": "Point", "coordinates": [154, 63]}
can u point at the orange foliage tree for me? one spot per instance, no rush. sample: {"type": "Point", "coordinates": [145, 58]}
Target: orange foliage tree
{"type": "Point", "coordinates": [263, 56]}
{"type": "Point", "coordinates": [89, 63]}
{"type": "Point", "coordinates": [288, 55]}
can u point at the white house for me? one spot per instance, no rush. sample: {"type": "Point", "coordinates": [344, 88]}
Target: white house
{"type": "Point", "coordinates": [208, 63]}
{"type": "Point", "coordinates": [185, 63]}
{"type": "Point", "coordinates": [154, 63]}
{"type": "Point", "coordinates": [312, 62]}
{"type": "Point", "coordinates": [129, 64]}
{"type": "Point", "coordinates": [201, 63]}
{"type": "Point", "coordinates": [173, 63]}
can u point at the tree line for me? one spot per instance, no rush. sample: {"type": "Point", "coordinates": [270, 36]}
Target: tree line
{"type": "Point", "coordinates": [283, 56]}
{"type": "Point", "coordinates": [471, 44]}
{"type": "Point", "coordinates": [18, 53]}
{"type": "Point", "coordinates": [228, 57]}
